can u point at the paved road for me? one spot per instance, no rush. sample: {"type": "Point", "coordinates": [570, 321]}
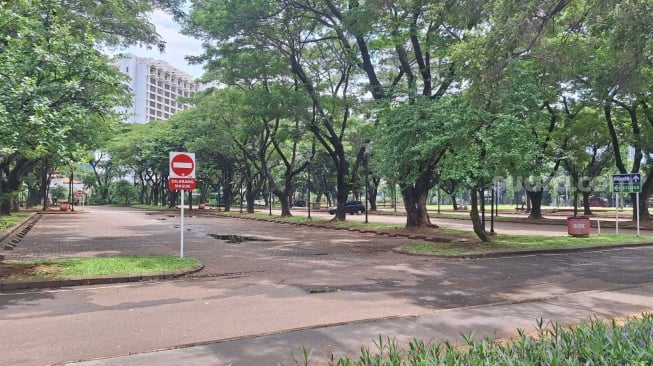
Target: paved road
{"type": "Point", "coordinates": [292, 286]}
{"type": "Point", "coordinates": [499, 226]}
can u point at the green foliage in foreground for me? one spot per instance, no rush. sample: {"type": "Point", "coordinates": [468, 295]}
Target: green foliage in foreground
{"type": "Point", "coordinates": [597, 342]}
{"type": "Point", "coordinates": [9, 221]}
{"type": "Point", "coordinates": [104, 266]}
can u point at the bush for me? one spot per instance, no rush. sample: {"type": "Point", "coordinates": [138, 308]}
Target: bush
{"type": "Point", "coordinates": [124, 192]}
{"type": "Point", "coordinates": [594, 343]}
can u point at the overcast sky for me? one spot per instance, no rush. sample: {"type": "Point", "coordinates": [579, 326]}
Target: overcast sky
{"type": "Point", "coordinates": [177, 45]}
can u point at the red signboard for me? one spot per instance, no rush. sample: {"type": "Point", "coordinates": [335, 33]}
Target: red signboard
{"type": "Point", "coordinates": [182, 165]}
{"type": "Point", "coordinates": [182, 184]}
{"type": "Point", "coordinates": [578, 226]}
{"type": "Point", "coordinates": [80, 193]}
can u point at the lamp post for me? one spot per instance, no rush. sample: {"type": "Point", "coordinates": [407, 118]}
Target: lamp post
{"type": "Point", "coordinates": [365, 158]}
{"type": "Point", "coordinates": [241, 196]}
{"type": "Point", "coordinates": [308, 188]}
{"type": "Point", "coordinates": [492, 208]}
{"type": "Point", "coordinates": [217, 196]}
{"type": "Point", "coordinates": [270, 189]}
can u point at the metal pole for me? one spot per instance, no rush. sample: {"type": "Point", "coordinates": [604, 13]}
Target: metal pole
{"type": "Point", "coordinates": [482, 196]}
{"type": "Point", "coordinates": [637, 208]}
{"type": "Point", "coordinates": [241, 197]}
{"type": "Point", "coordinates": [270, 200]}
{"type": "Point", "coordinates": [366, 193]}
{"type": "Point", "coordinates": [616, 221]}
{"type": "Point", "coordinates": [492, 211]}
{"type": "Point", "coordinates": [394, 190]}
{"type": "Point", "coordinates": [181, 226]}
{"type": "Point", "coordinates": [309, 190]}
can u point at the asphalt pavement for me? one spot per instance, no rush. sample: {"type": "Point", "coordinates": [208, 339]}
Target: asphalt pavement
{"type": "Point", "coordinates": [287, 288]}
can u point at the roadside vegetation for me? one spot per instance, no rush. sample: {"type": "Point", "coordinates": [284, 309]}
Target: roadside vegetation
{"type": "Point", "coordinates": [505, 243]}
{"type": "Point", "coordinates": [87, 267]}
{"type": "Point", "coordinates": [9, 221]}
{"type": "Point", "coordinates": [596, 342]}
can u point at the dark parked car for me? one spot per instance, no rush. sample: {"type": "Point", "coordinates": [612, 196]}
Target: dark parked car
{"type": "Point", "coordinates": [299, 203]}
{"type": "Point", "coordinates": [351, 207]}
{"type": "Point", "coordinates": [599, 202]}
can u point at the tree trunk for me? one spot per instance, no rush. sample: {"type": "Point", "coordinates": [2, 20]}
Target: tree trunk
{"type": "Point", "coordinates": [477, 223]}
{"type": "Point", "coordinates": [5, 206]}
{"type": "Point", "coordinates": [641, 206]}
{"type": "Point", "coordinates": [587, 210]}
{"type": "Point", "coordinates": [342, 188]}
{"type": "Point", "coordinates": [647, 187]}
{"type": "Point", "coordinates": [172, 201]}
{"type": "Point", "coordinates": [455, 204]}
{"type": "Point", "coordinates": [250, 195]}
{"type": "Point", "coordinates": [535, 198]}
{"type": "Point", "coordinates": [415, 198]}
{"type": "Point", "coordinates": [45, 183]}
{"type": "Point", "coordinates": [285, 202]}
{"type": "Point", "coordinates": [373, 192]}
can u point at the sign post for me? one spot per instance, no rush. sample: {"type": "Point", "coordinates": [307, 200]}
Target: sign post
{"type": "Point", "coordinates": [628, 183]}
{"type": "Point", "coordinates": [182, 177]}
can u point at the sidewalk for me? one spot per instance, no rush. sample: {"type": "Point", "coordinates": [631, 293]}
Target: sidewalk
{"type": "Point", "coordinates": [500, 320]}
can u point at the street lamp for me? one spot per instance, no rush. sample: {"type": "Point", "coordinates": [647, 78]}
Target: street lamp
{"type": "Point", "coordinates": [241, 195]}
{"type": "Point", "coordinates": [366, 152]}
{"type": "Point", "coordinates": [217, 196]}
{"type": "Point", "coordinates": [270, 189]}
{"type": "Point", "coordinates": [310, 158]}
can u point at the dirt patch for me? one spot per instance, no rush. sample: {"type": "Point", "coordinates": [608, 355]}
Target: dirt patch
{"type": "Point", "coordinates": [27, 270]}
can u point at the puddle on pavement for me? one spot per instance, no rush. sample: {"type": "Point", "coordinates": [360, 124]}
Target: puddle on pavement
{"type": "Point", "coordinates": [236, 239]}
{"type": "Point", "coordinates": [323, 290]}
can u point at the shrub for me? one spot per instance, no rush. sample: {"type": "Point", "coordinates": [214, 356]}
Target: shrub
{"type": "Point", "coordinates": [596, 342]}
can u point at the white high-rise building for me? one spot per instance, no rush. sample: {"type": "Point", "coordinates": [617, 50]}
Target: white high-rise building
{"type": "Point", "coordinates": [156, 86]}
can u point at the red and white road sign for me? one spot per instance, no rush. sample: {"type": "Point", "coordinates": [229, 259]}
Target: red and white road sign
{"type": "Point", "coordinates": [182, 184]}
{"type": "Point", "coordinates": [182, 165]}
{"type": "Point", "coordinates": [80, 193]}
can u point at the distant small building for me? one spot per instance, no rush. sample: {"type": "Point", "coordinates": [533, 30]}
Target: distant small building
{"type": "Point", "coordinates": [157, 87]}
{"type": "Point", "coordinates": [61, 181]}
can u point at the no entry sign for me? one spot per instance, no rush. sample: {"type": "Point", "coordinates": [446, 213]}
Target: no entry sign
{"type": "Point", "coordinates": [182, 165]}
{"type": "Point", "coordinates": [182, 177]}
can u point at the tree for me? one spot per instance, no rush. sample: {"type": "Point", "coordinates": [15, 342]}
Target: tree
{"type": "Point", "coordinates": [283, 44]}
{"type": "Point", "coordinates": [58, 93]}
{"type": "Point", "coordinates": [402, 49]}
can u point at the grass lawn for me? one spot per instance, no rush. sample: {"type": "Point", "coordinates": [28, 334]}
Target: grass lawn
{"type": "Point", "coordinates": [503, 243]}
{"type": "Point", "coordinates": [88, 267]}
{"type": "Point", "coordinates": [153, 207]}
{"type": "Point", "coordinates": [7, 222]}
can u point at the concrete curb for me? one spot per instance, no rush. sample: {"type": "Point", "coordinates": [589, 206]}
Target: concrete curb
{"type": "Point", "coordinates": [11, 285]}
{"type": "Point", "coordinates": [4, 235]}
{"type": "Point", "coordinates": [467, 256]}
{"type": "Point", "coordinates": [18, 232]}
